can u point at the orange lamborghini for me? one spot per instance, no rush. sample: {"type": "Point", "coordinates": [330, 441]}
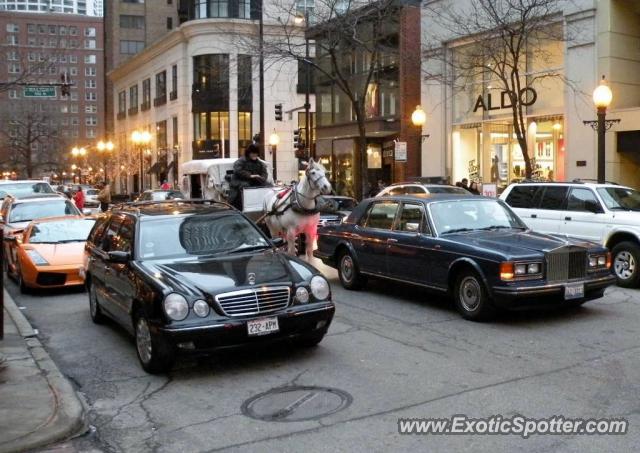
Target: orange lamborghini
{"type": "Point", "coordinates": [50, 254]}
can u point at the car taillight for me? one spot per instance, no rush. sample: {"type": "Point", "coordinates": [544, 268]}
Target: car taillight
{"type": "Point", "coordinates": [506, 271]}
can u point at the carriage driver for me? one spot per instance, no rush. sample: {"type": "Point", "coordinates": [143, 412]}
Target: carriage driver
{"type": "Point", "coordinates": [248, 171]}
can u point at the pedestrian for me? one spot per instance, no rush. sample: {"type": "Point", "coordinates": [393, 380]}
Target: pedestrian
{"type": "Point", "coordinates": [375, 190]}
{"type": "Point", "coordinates": [165, 185]}
{"type": "Point", "coordinates": [104, 196]}
{"type": "Point", "coordinates": [473, 188]}
{"type": "Point", "coordinates": [79, 199]}
{"type": "Point", "coordinates": [464, 183]}
{"type": "Point", "coordinates": [248, 171]}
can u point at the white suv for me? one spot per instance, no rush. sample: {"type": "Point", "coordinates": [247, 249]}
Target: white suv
{"type": "Point", "coordinates": [413, 188]}
{"type": "Point", "coordinates": [604, 213]}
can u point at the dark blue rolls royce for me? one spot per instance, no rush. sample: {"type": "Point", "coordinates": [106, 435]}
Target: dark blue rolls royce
{"type": "Point", "coordinates": [475, 249]}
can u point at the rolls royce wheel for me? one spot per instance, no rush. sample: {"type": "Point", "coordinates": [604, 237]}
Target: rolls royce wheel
{"type": "Point", "coordinates": [471, 298]}
{"type": "Point", "coordinates": [155, 353]}
{"type": "Point", "coordinates": [626, 264]}
{"type": "Point", "coordinates": [349, 273]}
{"type": "Point", "coordinates": [94, 306]}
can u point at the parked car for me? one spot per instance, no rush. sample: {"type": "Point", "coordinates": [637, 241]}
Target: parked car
{"type": "Point", "coordinates": [91, 197]}
{"type": "Point", "coordinates": [160, 195]}
{"type": "Point", "coordinates": [194, 276]}
{"type": "Point", "coordinates": [50, 253]}
{"type": "Point", "coordinates": [17, 213]}
{"type": "Point", "coordinates": [410, 188]}
{"type": "Point", "coordinates": [605, 213]}
{"type": "Point", "coordinates": [334, 209]}
{"type": "Point", "coordinates": [473, 248]}
{"type": "Point", "coordinates": [24, 188]}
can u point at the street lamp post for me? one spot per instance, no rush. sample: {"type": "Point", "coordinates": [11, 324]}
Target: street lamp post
{"type": "Point", "coordinates": [105, 148]}
{"type": "Point", "coordinates": [602, 98]}
{"type": "Point", "coordinates": [418, 119]}
{"type": "Point", "coordinates": [78, 153]}
{"type": "Point", "coordinates": [299, 20]}
{"type": "Point", "coordinates": [140, 139]}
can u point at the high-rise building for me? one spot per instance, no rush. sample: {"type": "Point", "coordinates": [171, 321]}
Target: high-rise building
{"type": "Point", "coordinates": [46, 6]}
{"type": "Point", "coordinates": [129, 27]}
{"type": "Point", "coordinates": [42, 50]}
{"type": "Point", "coordinates": [95, 7]}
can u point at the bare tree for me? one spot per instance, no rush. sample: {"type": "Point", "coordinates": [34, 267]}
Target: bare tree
{"type": "Point", "coordinates": [29, 141]}
{"type": "Point", "coordinates": [28, 67]}
{"type": "Point", "coordinates": [349, 42]}
{"type": "Point", "coordinates": [492, 41]}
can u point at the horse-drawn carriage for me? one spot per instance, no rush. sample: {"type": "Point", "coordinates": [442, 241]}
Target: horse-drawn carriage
{"type": "Point", "coordinates": [287, 211]}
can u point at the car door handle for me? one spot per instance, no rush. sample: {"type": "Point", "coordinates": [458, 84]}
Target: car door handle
{"type": "Point", "coordinates": [391, 241]}
{"type": "Point", "coordinates": [534, 216]}
{"type": "Point", "coordinates": [567, 218]}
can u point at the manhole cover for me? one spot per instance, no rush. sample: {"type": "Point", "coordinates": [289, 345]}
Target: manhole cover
{"type": "Point", "coordinates": [294, 404]}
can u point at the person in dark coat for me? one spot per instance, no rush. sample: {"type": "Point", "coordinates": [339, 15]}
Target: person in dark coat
{"type": "Point", "coordinates": [248, 171]}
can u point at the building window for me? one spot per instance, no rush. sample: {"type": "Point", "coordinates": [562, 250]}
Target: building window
{"type": "Point", "coordinates": [91, 121]}
{"type": "Point", "coordinates": [122, 104]}
{"type": "Point", "coordinates": [245, 85]}
{"type": "Point", "coordinates": [146, 94]}
{"type": "Point", "coordinates": [14, 68]}
{"type": "Point", "coordinates": [161, 88]}
{"type": "Point", "coordinates": [90, 108]}
{"type": "Point", "coordinates": [129, 21]}
{"type": "Point", "coordinates": [12, 40]}
{"type": "Point", "coordinates": [88, 96]}
{"type": "Point", "coordinates": [90, 32]}
{"type": "Point", "coordinates": [90, 71]}
{"type": "Point", "coordinates": [89, 43]}
{"type": "Point", "coordinates": [244, 130]}
{"type": "Point", "coordinates": [211, 134]}
{"type": "Point", "coordinates": [169, 23]}
{"type": "Point", "coordinates": [174, 82]}
{"type": "Point", "coordinates": [91, 133]}
{"type": "Point", "coordinates": [12, 56]}
{"type": "Point", "coordinates": [12, 28]}
{"type": "Point", "coordinates": [90, 83]}
{"type": "Point", "coordinates": [13, 94]}
{"type": "Point", "coordinates": [131, 47]}
{"type": "Point", "coordinates": [161, 135]}
{"type": "Point", "coordinates": [31, 28]}
{"type": "Point", "coordinates": [90, 59]}
{"type": "Point", "coordinates": [174, 132]}
{"type": "Point", "coordinates": [244, 9]}
{"type": "Point", "coordinates": [133, 100]}
{"type": "Point", "coordinates": [73, 70]}
{"type": "Point", "coordinates": [211, 82]}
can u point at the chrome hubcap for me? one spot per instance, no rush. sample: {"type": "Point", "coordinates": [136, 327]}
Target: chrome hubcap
{"type": "Point", "coordinates": [470, 293]}
{"type": "Point", "coordinates": [624, 265]}
{"type": "Point", "coordinates": [143, 340]}
{"type": "Point", "coordinates": [347, 268]}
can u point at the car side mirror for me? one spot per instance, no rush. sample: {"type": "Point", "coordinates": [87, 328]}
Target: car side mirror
{"type": "Point", "coordinates": [278, 242]}
{"type": "Point", "coordinates": [119, 257]}
{"type": "Point", "coordinates": [412, 227]}
{"type": "Point", "coordinates": [593, 206]}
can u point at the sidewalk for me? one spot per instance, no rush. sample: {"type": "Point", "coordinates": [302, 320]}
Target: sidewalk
{"type": "Point", "coordinates": [38, 406]}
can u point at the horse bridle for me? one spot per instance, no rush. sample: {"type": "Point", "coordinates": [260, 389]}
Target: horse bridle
{"type": "Point", "coordinates": [307, 173]}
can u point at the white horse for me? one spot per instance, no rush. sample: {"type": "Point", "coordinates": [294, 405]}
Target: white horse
{"type": "Point", "coordinates": [293, 211]}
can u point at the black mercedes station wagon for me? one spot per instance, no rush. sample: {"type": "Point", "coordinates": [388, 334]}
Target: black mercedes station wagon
{"type": "Point", "coordinates": [195, 276]}
{"type": "Point", "coordinates": [475, 249]}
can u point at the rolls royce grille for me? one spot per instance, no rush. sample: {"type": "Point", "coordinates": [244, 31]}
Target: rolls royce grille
{"type": "Point", "coordinates": [565, 265]}
{"type": "Point", "coordinates": [252, 302]}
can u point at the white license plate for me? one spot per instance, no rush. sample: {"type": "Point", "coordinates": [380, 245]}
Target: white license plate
{"type": "Point", "coordinates": [574, 291]}
{"type": "Point", "coordinates": [262, 326]}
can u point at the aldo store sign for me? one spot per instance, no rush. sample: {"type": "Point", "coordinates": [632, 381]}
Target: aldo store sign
{"type": "Point", "coordinates": [527, 96]}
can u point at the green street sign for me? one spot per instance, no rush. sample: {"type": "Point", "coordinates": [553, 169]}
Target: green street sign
{"type": "Point", "coordinates": [39, 92]}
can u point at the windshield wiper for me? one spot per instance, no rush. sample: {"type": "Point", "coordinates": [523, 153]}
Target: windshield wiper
{"type": "Point", "coordinates": [64, 241]}
{"type": "Point", "coordinates": [457, 230]}
{"type": "Point", "coordinates": [500, 227]}
{"type": "Point", "coordinates": [246, 249]}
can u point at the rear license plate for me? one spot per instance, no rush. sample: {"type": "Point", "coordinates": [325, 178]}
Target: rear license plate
{"type": "Point", "coordinates": [262, 326]}
{"type": "Point", "coordinates": [574, 291]}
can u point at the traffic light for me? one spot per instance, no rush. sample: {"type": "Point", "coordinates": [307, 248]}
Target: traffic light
{"type": "Point", "coordinates": [278, 112]}
{"type": "Point", "coordinates": [65, 86]}
{"type": "Point", "coordinates": [297, 140]}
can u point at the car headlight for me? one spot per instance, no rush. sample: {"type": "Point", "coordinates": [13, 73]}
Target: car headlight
{"type": "Point", "coordinates": [37, 259]}
{"type": "Point", "coordinates": [533, 268]}
{"type": "Point", "coordinates": [597, 261]}
{"type": "Point", "coordinates": [201, 308]}
{"type": "Point", "coordinates": [520, 269]}
{"type": "Point", "coordinates": [319, 287]}
{"type": "Point", "coordinates": [176, 307]}
{"type": "Point", "coordinates": [302, 295]}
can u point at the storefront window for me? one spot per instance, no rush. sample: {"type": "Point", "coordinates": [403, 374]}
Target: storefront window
{"type": "Point", "coordinates": [343, 151]}
{"type": "Point", "coordinates": [244, 130]}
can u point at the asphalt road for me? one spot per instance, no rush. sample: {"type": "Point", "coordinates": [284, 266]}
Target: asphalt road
{"type": "Point", "coordinates": [396, 351]}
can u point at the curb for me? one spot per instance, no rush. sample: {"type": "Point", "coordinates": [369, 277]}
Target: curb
{"type": "Point", "coordinates": [70, 418]}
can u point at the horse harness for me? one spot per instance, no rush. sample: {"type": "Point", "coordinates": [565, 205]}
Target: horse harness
{"type": "Point", "coordinates": [292, 195]}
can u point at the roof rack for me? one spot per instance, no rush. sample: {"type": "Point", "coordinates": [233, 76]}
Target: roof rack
{"type": "Point", "coordinates": [136, 205]}
{"type": "Point", "coordinates": [578, 180]}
